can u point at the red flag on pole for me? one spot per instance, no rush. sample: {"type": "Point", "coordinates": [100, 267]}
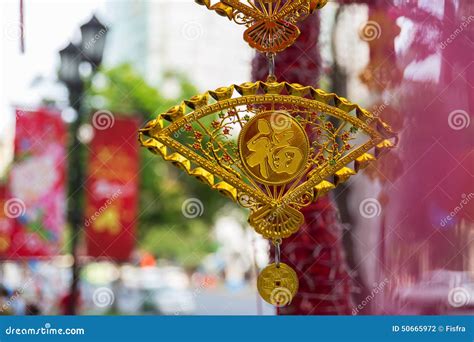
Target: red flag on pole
{"type": "Point", "coordinates": [112, 188]}
{"type": "Point", "coordinates": [36, 188]}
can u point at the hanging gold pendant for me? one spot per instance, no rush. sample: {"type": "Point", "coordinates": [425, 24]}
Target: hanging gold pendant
{"type": "Point", "coordinates": [277, 285]}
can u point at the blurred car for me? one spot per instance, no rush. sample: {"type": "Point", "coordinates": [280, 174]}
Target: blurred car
{"type": "Point", "coordinates": [439, 292]}
{"type": "Point", "coordinates": [172, 301]}
{"type": "Point", "coordinates": [157, 291]}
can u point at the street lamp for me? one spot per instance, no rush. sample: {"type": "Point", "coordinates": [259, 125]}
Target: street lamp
{"type": "Point", "coordinates": [93, 41]}
{"type": "Point", "coordinates": [90, 50]}
{"type": "Point", "coordinates": [71, 58]}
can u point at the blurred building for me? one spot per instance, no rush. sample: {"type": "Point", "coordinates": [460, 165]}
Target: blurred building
{"type": "Point", "coordinates": [178, 35]}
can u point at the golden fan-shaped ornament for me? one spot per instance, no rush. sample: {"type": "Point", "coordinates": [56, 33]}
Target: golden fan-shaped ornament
{"type": "Point", "coordinates": [271, 147]}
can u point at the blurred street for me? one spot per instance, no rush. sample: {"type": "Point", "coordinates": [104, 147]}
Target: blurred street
{"type": "Point", "coordinates": [223, 302]}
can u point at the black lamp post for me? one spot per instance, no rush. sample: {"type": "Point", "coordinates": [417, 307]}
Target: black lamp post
{"type": "Point", "coordinates": [72, 56]}
{"type": "Point", "coordinates": [93, 41]}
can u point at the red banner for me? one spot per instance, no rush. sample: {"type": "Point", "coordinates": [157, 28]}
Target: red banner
{"type": "Point", "coordinates": [36, 190]}
{"type": "Point", "coordinates": [112, 188]}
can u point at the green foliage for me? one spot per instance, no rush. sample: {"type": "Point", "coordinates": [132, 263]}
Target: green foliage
{"type": "Point", "coordinates": [163, 230]}
{"type": "Point", "coordinates": [126, 92]}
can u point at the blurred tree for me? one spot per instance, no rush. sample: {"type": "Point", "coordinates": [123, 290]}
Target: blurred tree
{"type": "Point", "coordinates": [163, 229]}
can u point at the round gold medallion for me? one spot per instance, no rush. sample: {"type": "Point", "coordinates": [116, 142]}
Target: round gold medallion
{"type": "Point", "coordinates": [273, 147]}
{"type": "Point", "coordinates": [277, 285]}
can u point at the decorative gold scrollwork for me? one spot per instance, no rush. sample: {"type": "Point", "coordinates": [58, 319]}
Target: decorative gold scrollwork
{"type": "Point", "coordinates": [295, 144]}
{"type": "Point", "coordinates": [271, 23]}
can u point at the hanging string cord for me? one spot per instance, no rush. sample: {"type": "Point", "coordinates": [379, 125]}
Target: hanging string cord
{"type": "Point", "coordinates": [271, 67]}
{"type": "Point", "coordinates": [277, 243]}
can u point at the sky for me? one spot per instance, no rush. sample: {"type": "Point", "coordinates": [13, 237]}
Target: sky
{"type": "Point", "coordinates": [45, 34]}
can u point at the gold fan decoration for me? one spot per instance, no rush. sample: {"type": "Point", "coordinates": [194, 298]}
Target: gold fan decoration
{"type": "Point", "coordinates": [271, 23]}
{"type": "Point", "coordinates": [272, 147]}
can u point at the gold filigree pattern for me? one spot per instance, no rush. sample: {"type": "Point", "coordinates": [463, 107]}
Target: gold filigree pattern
{"type": "Point", "coordinates": [271, 23]}
{"type": "Point", "coordinates": [272, 147]}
